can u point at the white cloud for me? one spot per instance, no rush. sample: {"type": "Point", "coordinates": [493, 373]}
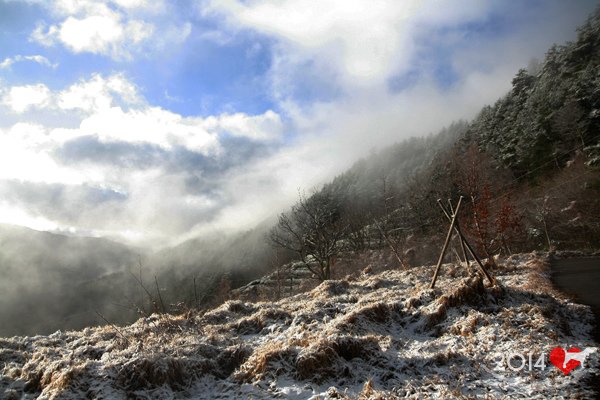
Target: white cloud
{"type": "Point", "coordinates": [146, 5]}
{"type": "Point", "coordinates": [95, 34]}
{"type": "Point", "coordinates": [361, 40]}
{"type": "Point", "coordinates": [77, 7]}
{"type": "Point", "coordinates": [21, 98]}
{"type": "Point", "coordinates": [151, 125]}
{"type": "Point", "coordinates": [9, 61]}
{"type": "Point", "coordinates": [14, 215]}
{"type": "Point", "coordinates": [24, 155]}
{"type": "Point", "coordinates": [353, 49]}
{"type": "Point", "coordinates": [166, 129]}
{"type": "Point", "coordinates": [99, 34]}
{"type": "Point", "coordinates": [99, 93]}
{"type": "Point", "coordinates": [112, 108]}
{"type": "Point", "coordinates": [116, 112]}
{"type": "Point", "coordinates": [115, 28]}
{"type": "Point", "coordinates": [267, 126]}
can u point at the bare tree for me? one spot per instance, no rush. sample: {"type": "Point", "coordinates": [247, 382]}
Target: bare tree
{"type": "Point", "coordinates": [313, 230]}
{"type": "Point", "coordinates": [387, 224]}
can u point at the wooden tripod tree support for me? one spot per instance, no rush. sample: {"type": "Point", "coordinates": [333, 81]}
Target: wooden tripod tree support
{"type": "Point", "coordinates": [452, 216]}
{"type": "Point", "coordinates": [462, 242]}
{"type": "Point", "coordinates": [466, 244]}
{"type": "Point", "coordinates": [448, 236]}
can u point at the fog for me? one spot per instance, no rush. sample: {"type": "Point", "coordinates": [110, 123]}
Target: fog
{"type": "Point", "coordinates": [54, 282]}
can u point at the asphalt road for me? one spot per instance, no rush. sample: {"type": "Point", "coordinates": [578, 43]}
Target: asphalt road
{"type": "Point", "coordinates": [579, 277]}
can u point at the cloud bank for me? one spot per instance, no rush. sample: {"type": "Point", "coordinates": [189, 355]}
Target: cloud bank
{"type": "Point", "coordinates": [127, 163]}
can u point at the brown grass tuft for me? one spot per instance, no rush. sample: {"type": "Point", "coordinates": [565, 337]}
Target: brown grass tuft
{"type": "Point", "coordinates": [369, 393]}
{"type": "Point", "coordinates": [33, 381]}
{"type": "Point", "coordinates": [231, 359]}
{"type": "Point", "coordinates": [323, 359]}
{"type": "Point", "coordinates": [239, 307]}
{"type": "Point", "coordinates": [466, 327]}
{"type": "Point", "coordinates": [349, 347]}
{"type": "Point", "coordinates": [151, 372]}
{"type": "Point", "coordinates": [444, 358]}
{"type": "Point", "coordinates": [61, 380]}
{"type": "Point", "coordinates": [331, 288]}
{"type": "Point", "coordinates": [264, 359]}
{"type": "Point", "coordinates": [257, 322]}
{"type": "Point", "coordinates": [334, 393]}
{"type": "Point", "coordinates": [379, 313]}
{"type": "Point", "coordinates": [538, 279]}
{"type": "Point", "coordinates": [317, 364]}
{"type": "Point", "coordinates": [250, 325]}
{"type": "Point", "coordinates": [469, 291]}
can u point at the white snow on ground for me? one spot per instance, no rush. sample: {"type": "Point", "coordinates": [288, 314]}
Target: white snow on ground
{"type": "Point", "coordinates": [367, 336]}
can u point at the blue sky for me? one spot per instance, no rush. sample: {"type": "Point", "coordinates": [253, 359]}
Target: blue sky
{"type": "Point", "coordinates": [155, 121]}
{"type": "Point", "coordinates": [195, 76]}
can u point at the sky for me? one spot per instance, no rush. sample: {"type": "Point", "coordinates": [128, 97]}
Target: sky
{"type": "Point", "coordinates": [155, 121]}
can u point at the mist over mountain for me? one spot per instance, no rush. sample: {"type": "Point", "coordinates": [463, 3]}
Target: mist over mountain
{"type": "Point", "coordinates": [52, 281]}
{"type": "Point", "coordinates": [97, 156]}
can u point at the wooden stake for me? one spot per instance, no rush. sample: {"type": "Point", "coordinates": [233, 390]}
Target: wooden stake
{"type": "Point", "coordinates": [460, 237]}
{"type": "Point", "coordinates": [445, 247]}
{"type": "Point", "coordinates": [468, 246]}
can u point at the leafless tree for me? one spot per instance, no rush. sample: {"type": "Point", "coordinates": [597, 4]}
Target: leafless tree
{"type": "Point", "coordinates": [387, 223]}
{"type": "Point", "coordinates": [313, 230]}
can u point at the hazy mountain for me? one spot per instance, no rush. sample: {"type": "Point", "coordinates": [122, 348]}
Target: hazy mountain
{"type": "Point", "coordinates": [51, 281]}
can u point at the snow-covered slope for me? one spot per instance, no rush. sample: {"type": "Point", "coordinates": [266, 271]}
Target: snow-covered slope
{"type": "Point", "coordinates": [367, 336]}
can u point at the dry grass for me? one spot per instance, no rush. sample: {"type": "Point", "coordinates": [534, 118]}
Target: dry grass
{"type": "Point", "coordinates": [468, 292]}
{"type": "Point", "coordinates": [61, 380]}
{"type": "Point", "coordinates": [323, 359]}
{"type": "Point", "coordinates": [263, 359]}
{"type": "Point", "coordinates": [379, 313]}
{"type": "Point", "coordinates": [258, 321]}
{"type": "Point", "coordinates": [239, 307]}
{"type": "Point", "coordinates": [387, 329]}
{"type": "Point", "coordinates": [149, 372]}
{"type": "Point", "coordinates": [331, 288]}
{"type": "Point", "coordinates": [537, 278]}
{"type": "Point", "coordinates": [466, 327]}
{"type": "Point", "coordinates": [369, 393]}
{"type": "Point", "coordinates": [231, 359]}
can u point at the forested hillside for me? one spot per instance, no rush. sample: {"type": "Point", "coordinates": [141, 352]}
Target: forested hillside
{"type": "Point", "coordinates": [527, 167]}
